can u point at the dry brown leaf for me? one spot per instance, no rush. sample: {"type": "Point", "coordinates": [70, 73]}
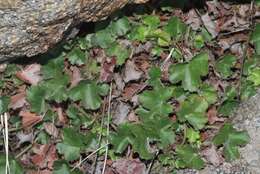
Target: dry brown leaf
{"type": "Point", "coordinates": [18, 100]}
{"type": "Point", "coordinates": [30, 74]}
{"type": "Point", "coordinates": [51, 129]}
{"type": "Point", "coordinates": [212, 116]}
{"type": "Point", "coordinates": [45, 155]}
{"type": "Point", "coordinates": [131, 90]}
{"type": "Point", "coordinates": [61, 117]}
{"type": "Point", "coordinates": [212, 156]}
{"type": "Point", "coordinates": [107, 69]}
{"type": "Point", "coordinates": [129, 166]}
{"type": "Point", "coordinates": [209, 24]}
{"type": "Point", "coordinates": [131, 72]}
{"type": "Point", "coordinates": [29, 119]}
{"type": "Point", "coordinates": [75, 76]}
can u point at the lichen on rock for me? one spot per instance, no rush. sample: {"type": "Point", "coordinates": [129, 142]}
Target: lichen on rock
{"type": "Point", "coordinates": [31, 27]}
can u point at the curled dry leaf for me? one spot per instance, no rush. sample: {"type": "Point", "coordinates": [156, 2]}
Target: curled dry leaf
{"type": "Point", "coordinates": [212, 116]}
{"type": "Point", "coordinates": [29, 119]}
{"type": "Point", "coordinates": [61, 117]}
{"type": "Point", "coordinates": [30, 74]}
{"type": "Point", "coordinates": [107, 69]}
{"type": "Point", "coordinates": [24, 137]}
{"type": "Point", "coordinates": [131, 90]}
{"type": "Point", "coordinates": [212, 156]}
{"type": "Point", "coordinates": [131, 72]}
{"type": "Point", "coordinates": [129, 166]}
{"type": "Point", "coordinates": [120, 113]}
{"type": "Point", "coordinates": [210, 25]}
{"type": "Point", "coordinates": [45, 155]}
{"type": "Point", "coordinates": [119, 81]}
{"type": "Point", "coordinates": [18, 100]}
{"type": "Point", "coordinates": [75, 76]}
{"type": "Point", "coordinates": [51, 129]}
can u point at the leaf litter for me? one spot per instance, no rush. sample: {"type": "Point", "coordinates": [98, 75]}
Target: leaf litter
{"type": "Point", "coordinates": [162, 119]}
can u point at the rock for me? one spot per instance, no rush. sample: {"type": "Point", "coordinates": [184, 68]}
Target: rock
{"type": "Point", "coordinates": [31, 27]}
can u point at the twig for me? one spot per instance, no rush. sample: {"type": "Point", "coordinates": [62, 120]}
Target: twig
{"type": "Point", "coordinates": [108, 122]}
{"type": "Point", "coordinates": [151, 164]}
{"type": "Point", "coordinates": [167, 59]}
{"type": "Point", "coordinates": [24, 151]}
{"type": "Point", "coordinates": [88, 157]}
{"type": "Point", "coordinates": [4, 123]}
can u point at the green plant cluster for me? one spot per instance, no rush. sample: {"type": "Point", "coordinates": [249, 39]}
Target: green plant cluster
{"type": "Point", "coordinates": [176, 140]}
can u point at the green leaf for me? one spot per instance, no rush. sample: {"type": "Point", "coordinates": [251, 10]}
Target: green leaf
{"type": "Point", "coordinates": [77, 118]}
{"type": "Point", "coordinates": [230, 93]}
{"type": "Point", "coordinates": [255, 38]}
{"type": "Point", "coordinates": [190, 73]}
{"type": "Point", "coordinates": [36, 97]}
{"type": "Point", "coordinates": [134, 135]}
{"type": "Point", "coordinates": [103, 39]}
{"type": "Point", "coordinates": [72, 143]}
{"type": "Point", "coordinates": [53, 68]}
{"type": "Point", "coordinates": [120, 52]}
{"type": "Point", "coordinates": [193, 110]}
{"type": "Point", "coordinates": [72, 137]}
{"type": "Point", "coordinates": [11, 70]}
{"type": "Point", "coordinates": [56, 89]}
{"type": "Point", "coordinates": [224, 65]}
{"type": "Point", "coordinates": [76, 56]}
{"type": "Point", "coordinates": [231, 139]}
{"type": "Point", "coordinates": [152, 22]}
{"type": "Point", "coordinates": [62, 167]}
{"type": "Point", "coordinates": [158, 130]}
{"type": "Point", "coordinates": [121, 26]}
{"type": "Point", "coordinates": [250, 64]}
{"type": "Point", "coordinates": [15, 167]}
{"type": "Point", "coordinates": [247, 90]}
{"type": "Point", "coordinates": [156, 101]}
{"type": "Point", "coordinates": [164, 39]}
{"type": "Point", "coordinates": [155, 77]}
{"type": "Point", "coordinates": [175, 27]}
{"type": "Point", "coordinates": [89, 94]}
{"type": "Point", "coordinates": [4, 102]}
{"type": "Point", "coordinates": [227, 107]}
{"type": "Point", "coordinates": [189, 157]}
{"type": "Point", "coordinates": [254, 76]}
{"type": "Point", "coordinates": [209, 93]}
{"type": "Point", "coordinates": [70, 153]}
{"type": "Point", "coordinates": [139, 33]}
{"type": "Point", "coordinates": [192, 135]}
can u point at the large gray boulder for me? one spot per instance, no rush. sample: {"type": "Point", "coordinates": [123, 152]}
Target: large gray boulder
{"type": "Point", "coordinates": [31, 27]}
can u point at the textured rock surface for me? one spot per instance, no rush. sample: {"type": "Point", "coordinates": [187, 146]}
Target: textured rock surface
{"type": "Point", "coordinates": [30, 27]}
{"type": "Point", "coordinates": [246, 117]}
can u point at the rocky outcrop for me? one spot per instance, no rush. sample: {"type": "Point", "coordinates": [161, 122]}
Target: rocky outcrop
{"type": "Point", "coordinates": [31, 27]}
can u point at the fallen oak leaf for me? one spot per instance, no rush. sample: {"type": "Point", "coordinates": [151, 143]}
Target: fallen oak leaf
{"type": "Point", "coordinates": [29, 119]}
{"type": "Point", "coordinates": [31, 74]}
